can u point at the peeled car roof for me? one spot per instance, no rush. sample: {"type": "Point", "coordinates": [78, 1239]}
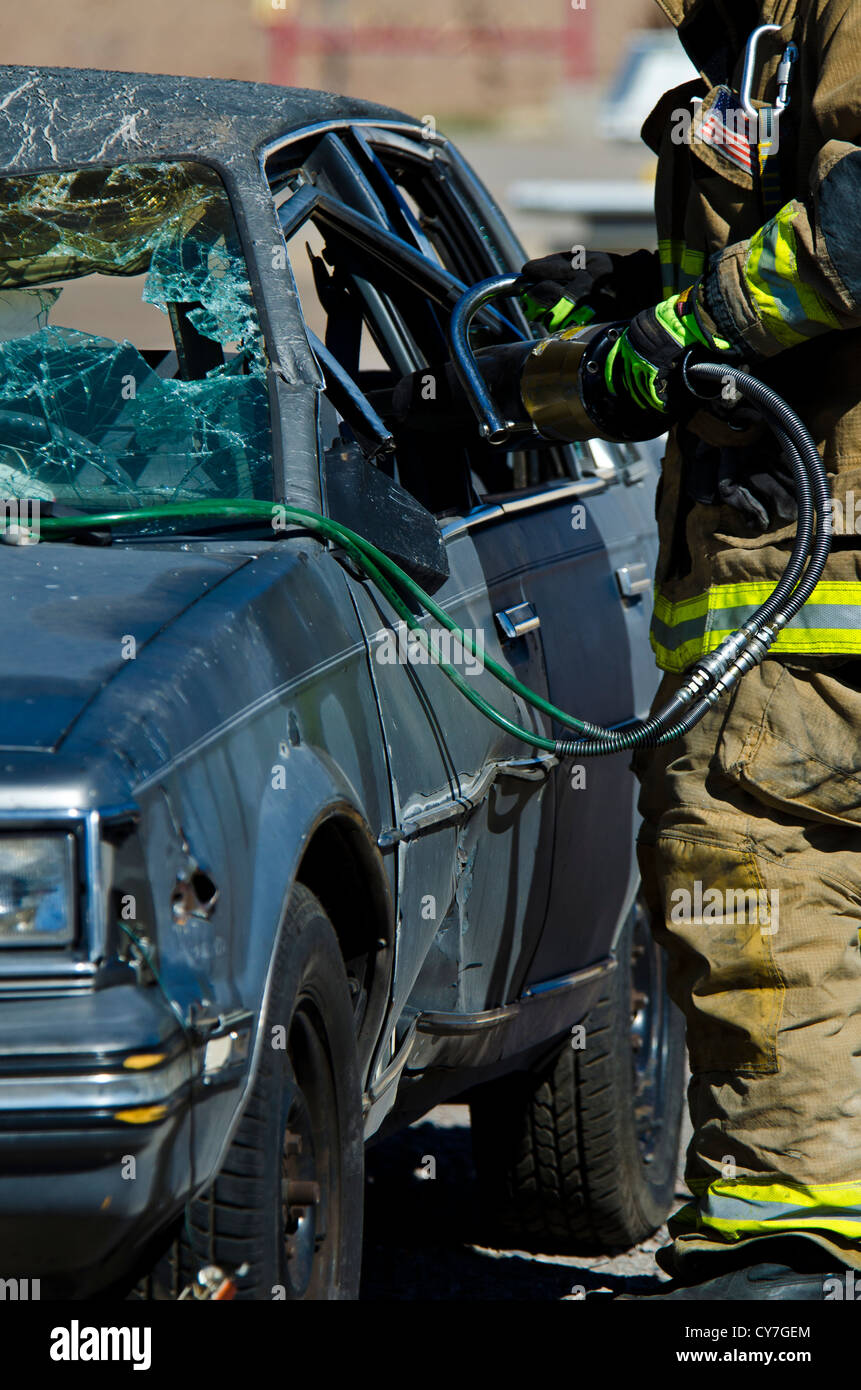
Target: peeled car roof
{"type": "Point", "coordinates": [58, 117]}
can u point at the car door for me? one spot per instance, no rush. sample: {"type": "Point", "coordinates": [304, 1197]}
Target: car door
{"type": "Point", "coordinates": [591, 589]}
{"type": "Point", "coordinates": [469, 812]}
{"type": "Point", "coordinates": [533, 550]}
{"type": "Point", "coordinates": [566, 541]}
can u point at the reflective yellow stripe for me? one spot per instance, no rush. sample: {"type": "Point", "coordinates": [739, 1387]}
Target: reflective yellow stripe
{"type": "Point", "coordinates": [735, 1209]}
{"type": "Point", "coordinates": [680, 265]}
{"type": "Point", "coordinates": [692, 262]}
{"type": "Point", "coordinates": [830, 622]}
{"type": "Point", "coordinates": [750, 591]}
{"type": "Point", "coordinates": [670, 252]}
{"type": "Point", "coordinates": [790, 310]}
{"type": "Point", "coordinates": [822, 641]}
{"type": "Point", "coordinates": [832, 1194]}
{"type": "Point", "coordinates": [685, 608]}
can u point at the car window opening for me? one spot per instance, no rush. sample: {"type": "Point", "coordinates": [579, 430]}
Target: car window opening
{"type": "Point", "coordinates": [380, 323]}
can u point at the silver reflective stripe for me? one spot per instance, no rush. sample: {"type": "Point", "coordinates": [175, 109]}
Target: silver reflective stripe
{"type": "Point", "coordinates": [813, 616]}
{"type": "Point", "coordinates": [671, 638]}
{"type": "Point", "coordinates": [743, 1210]}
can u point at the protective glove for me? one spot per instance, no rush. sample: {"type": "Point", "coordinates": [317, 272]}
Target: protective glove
{"type": "Point", "coordinates": [558, 293]}
{"type": "Point", "coordinates": [764, 492]}
{"type": "Point", "coordinates": [753, 479]}
{"type": "Point", "coordinates": [644, 358]}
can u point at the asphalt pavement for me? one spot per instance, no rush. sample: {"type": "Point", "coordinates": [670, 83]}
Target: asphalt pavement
{"type": "Point", "coordinates": [424, 1238]}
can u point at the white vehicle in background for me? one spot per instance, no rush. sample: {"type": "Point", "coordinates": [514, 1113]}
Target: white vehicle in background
{"type": "Point", "coordinates": [654, 63]}
{"type": "Point", "coordinates": [615, 212]}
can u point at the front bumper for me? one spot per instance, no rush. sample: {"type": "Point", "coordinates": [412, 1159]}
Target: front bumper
{"type": "Point", "coordinates": [95, 1132]}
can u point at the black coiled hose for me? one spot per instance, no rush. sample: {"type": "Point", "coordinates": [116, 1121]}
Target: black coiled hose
{"type": "Point", "coordinates": [712, 676]}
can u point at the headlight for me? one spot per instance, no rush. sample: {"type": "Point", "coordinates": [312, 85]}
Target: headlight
{"type": "Point", "coordinates": [37, 890]}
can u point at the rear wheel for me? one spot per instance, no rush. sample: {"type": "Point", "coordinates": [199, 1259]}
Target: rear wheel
{"type": "Point", "coordinates": [582, 1154]}
{"type": "Point", "coordinates": [287, 1202]}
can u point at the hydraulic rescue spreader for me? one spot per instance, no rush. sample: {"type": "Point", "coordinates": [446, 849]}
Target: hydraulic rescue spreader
{"type": "Point", "coordinates": [554, 387]}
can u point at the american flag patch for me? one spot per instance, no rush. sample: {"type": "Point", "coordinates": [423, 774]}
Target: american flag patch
{"type": "Point", "coordinates": [729, 130]}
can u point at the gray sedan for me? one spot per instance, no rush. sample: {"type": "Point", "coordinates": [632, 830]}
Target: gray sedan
{"type": "Point", "coordinates": [270, 886]}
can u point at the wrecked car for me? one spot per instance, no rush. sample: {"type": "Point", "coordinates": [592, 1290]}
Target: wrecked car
{"type": "Point", "coordinates": [270, 887]}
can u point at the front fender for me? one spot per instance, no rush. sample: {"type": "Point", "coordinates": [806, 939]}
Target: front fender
{"type": "Point", "coordinates": [307, 789]}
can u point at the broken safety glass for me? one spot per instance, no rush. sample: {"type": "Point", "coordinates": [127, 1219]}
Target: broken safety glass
{"type": "Point", "coordinates": [132, 363]}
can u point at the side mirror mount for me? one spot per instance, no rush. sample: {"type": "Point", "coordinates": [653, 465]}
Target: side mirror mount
{"type": "Point", "coordinates": [372, 504]}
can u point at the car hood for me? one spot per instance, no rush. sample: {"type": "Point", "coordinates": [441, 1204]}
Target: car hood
{"type": "Point", "coordinates": [72, 616]}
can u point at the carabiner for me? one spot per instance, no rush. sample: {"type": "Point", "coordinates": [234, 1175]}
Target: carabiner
{"type": "Point", "coordinates": [784, 73]}
{"type": "Point", "coordinates": [749, 65]}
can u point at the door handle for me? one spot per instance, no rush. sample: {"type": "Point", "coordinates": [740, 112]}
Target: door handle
{"type": "Point", "coordinates": [514, 622]}
{"type": "Point", "coordinates": [633, 580]}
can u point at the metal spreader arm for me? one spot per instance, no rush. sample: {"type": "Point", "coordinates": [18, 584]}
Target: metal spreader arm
{"type": "Point", "coordinates": [491, 424]}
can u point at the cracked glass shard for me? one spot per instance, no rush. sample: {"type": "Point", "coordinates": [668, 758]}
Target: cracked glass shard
{"type": "Point", "coordinates": [132, 363]}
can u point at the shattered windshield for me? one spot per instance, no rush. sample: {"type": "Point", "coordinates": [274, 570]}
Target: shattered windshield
{"type": "Point", "coordinates": [132, 366]}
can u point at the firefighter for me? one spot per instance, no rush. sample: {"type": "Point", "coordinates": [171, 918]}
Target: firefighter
{"type": "Point", "coordinates": [759, 264]}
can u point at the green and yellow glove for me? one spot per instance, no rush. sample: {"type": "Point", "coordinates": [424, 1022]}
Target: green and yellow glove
{"type": "Point", "coordinates": [563, 289]}
{"type": "Point", "coordinates": [643, 358]}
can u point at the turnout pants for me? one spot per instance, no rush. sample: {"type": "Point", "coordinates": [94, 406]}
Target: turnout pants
{"type": "Point", "coordinates": [750, 854]}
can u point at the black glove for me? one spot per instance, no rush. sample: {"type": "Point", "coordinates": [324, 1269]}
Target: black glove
{"type": "Point", "coordinates": [765, 494]}
{"type": "Point", "coordinates": [753, 479]}
{"type": "Point", "coordinates": [605, 287]}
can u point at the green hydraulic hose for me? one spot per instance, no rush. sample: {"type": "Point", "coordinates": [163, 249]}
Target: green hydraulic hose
{"type": "Point", "coordinates": [374, 562]}
{"type": "Point", "coordinates": [362, 558]}
{"type": "Point", "coordinates": [710, 678]}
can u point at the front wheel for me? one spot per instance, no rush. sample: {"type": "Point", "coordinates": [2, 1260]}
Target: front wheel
{"type": "Point", "coordinates": [582, 1154]}
{"type": "Point", "coordinates": [287, 1203]}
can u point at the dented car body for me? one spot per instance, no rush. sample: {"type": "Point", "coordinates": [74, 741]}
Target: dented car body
{"type": "Point", "coordinates": [197, 716]}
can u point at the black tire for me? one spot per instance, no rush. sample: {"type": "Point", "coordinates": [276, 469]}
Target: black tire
{"type": "Point", "coordinates": [308, 1090]}
{"type": "Point", "coordinates": [582, 1154]}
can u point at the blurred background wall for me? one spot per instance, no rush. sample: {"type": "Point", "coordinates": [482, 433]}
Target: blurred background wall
{"type": "Point", "coordinates": [521, 85]}
{"type": "Point", "coordinates": [471, 60]}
